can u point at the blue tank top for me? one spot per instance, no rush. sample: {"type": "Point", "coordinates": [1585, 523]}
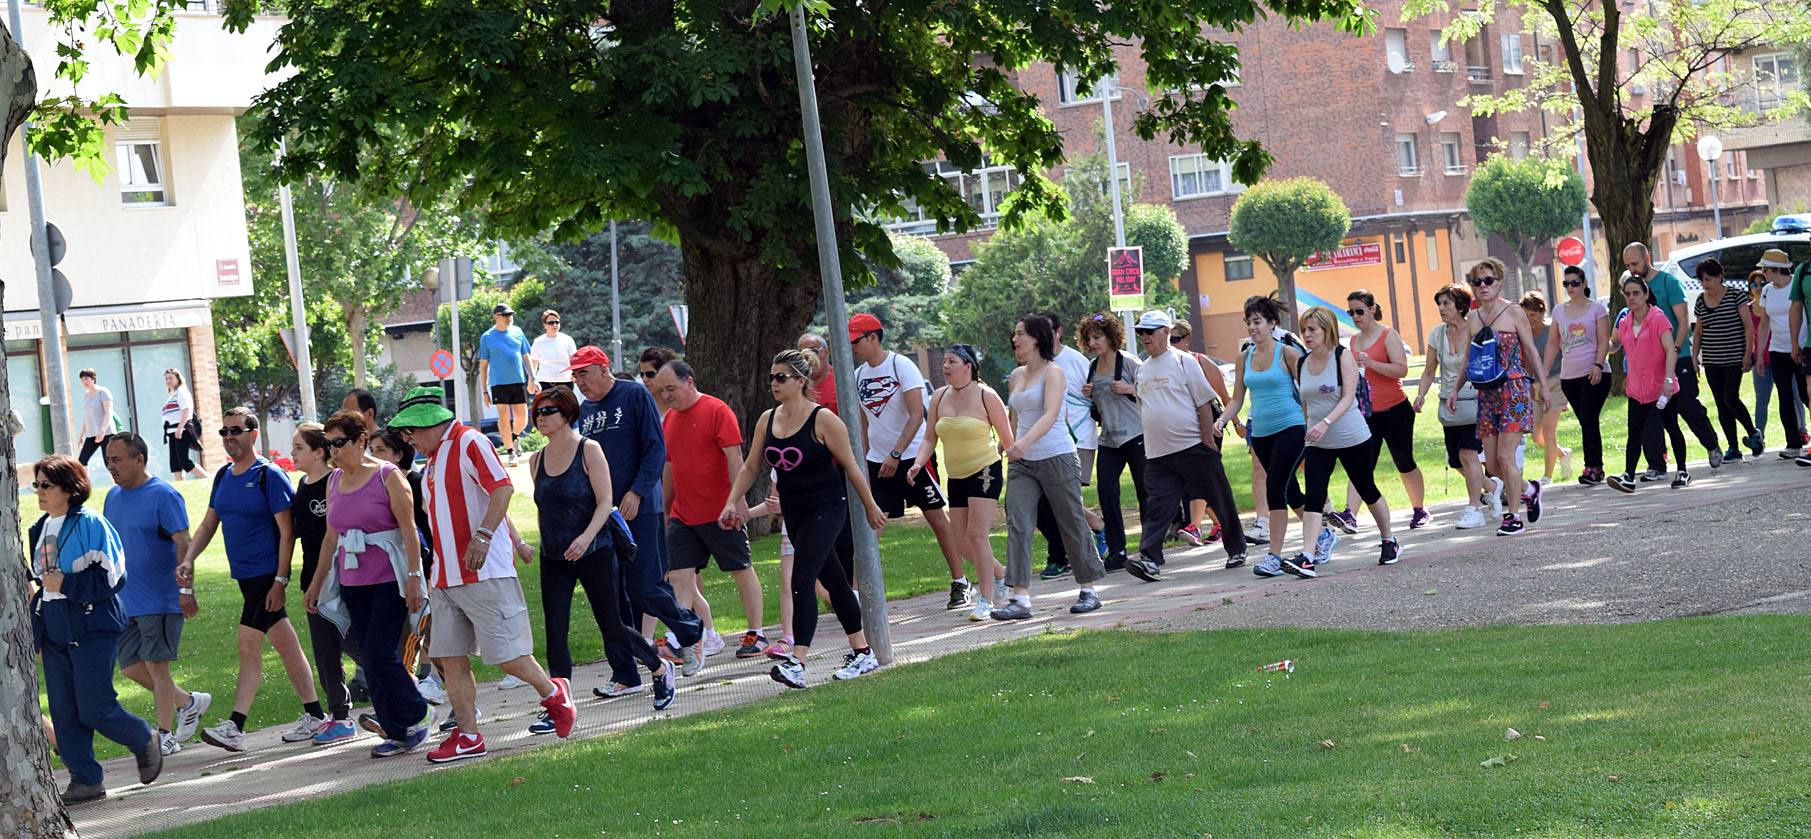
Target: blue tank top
{"type": "Point", "coordinates": [1274, 402]}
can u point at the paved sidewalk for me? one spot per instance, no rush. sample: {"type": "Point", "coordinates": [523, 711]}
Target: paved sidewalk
{"type": "Point", "coordinates": [1675, 543]}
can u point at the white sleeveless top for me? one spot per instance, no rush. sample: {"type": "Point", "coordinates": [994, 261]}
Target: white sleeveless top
{"type": "Point", "coordinates": [1028, 403]}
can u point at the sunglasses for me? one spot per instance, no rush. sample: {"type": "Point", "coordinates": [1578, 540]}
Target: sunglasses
{"type": "Point", "coordinates": [340, 442]}
{"type": "Point", "coordinates": [1177, 339]}
{"type": "Point", "coordinates": [546, 410]}
{"type": "Point", "coordinates": [1358, 312]}
{"type": "Point", "coordinates": [1485, 281]}
{"type": "Point", "coordinates": [234, 431]}
{"type": "Point", "coordinates": [554, 322]}
{"type": "Point", "coordinates": [649, 374]}
{"type": "Point", "coordinates": [42, 485]}
{"type": "Point", "coordinates": [1145, 333]}
{"type": "Point", "coordinates": [782, 378]}
{"type": "Point", "coordinates": [1573, 283]}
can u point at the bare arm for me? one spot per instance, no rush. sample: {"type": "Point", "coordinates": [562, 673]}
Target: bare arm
{"type": "Point", "coordinates": [929, 447]}
{"type": "Point", "coordinates": [597, 468]}
{"type": "Point", "coordinates": [1795, 320]}
{"type": "Point", "coordinates": [1681, 324]}
{"type": "Point", "coordinates": [666, 488]}
{"type": "Point", "coordinates": [744, 471]}
{"type": "Point", "coordinates": [1553, 345]}
{"type": "Point", "coordinates": [286, 546]}
{"type": "Point", "coordinates": [204, 533]}
{"type": "Point", "coordinates": [1747, 335]}
{"type": "Point", "coordinates": [1215, 380]}
{"type": "Point", "coordinates": [1429, 371]}
{"type": "Point", "coordinates": [996, 414]}
{"type": "Point", "coordinates": [1238, 398]}
{"type": "Point", "coordinates": [835, 437]}
{"type": "Point", "coordinates": [1398, 365]}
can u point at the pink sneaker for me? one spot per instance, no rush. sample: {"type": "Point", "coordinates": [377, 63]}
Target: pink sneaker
{"type": "Point", "coordinates": [780, 650]}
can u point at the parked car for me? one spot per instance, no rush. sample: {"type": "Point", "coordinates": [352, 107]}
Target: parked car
{"type": "Point", "coordinates": [1738, 255]}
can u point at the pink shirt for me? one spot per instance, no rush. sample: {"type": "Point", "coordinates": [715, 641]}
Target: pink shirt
{"type": "Point", "coordinates": [367, 509]}
{"type": "Point", "coordinates": [1647, 359]}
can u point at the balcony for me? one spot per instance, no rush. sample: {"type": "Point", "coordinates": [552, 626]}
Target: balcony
{"type": "Point", "coordinates": [1445, 66]}
{"type": "Point", "coordinates": [1477, 74]}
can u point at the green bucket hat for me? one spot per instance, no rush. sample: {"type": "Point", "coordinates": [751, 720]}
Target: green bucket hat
{"type": "Point", "coordinates": [424, 407]}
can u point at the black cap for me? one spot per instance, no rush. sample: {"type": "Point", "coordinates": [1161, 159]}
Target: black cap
{"type": "Point", "coordinates": [503, 309]}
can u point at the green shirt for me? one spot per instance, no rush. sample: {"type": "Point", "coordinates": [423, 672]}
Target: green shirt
{"type": "Point", "coordinates": [1667, 292]}
{"type": "Point", "coordinates": [1801, 291]}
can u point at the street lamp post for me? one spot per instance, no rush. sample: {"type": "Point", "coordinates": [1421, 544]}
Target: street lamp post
{"type": "Point", "coordinates": [49, 324]}
{"type": "Point", "coordinates": [1710, 150]}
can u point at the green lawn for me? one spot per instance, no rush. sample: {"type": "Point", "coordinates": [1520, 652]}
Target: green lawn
{"type": "Point", "coordinates": [1656, 729]}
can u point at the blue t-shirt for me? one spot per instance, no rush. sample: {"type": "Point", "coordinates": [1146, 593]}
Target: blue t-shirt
{"type": "Point", "coordinates": [504, 351]}
{"type": "Point", "coordinates": [627, 425]}
{"type": "Point", "coordinates": [146, 518]}
{"type": "Point", "coordinates": [1667, 291]}
{"type": "Point", "coordinates": [247, 505]}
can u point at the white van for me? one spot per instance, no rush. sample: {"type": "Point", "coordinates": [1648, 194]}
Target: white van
{"type": "Point", "coordinates": [1738, 255]}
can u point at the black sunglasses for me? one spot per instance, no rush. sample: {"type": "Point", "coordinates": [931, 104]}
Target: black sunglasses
{"type": "Point", "coordinates": [782, 378]}
{"type": "Point", "coordinates": [546, 410]}
{"type": "Point", "coordinates": [339, 442]}
{"type": "Point", "coordinates": [1485, 281]}
{"type": "Point", "coordinates": [1572, 283]}
{"type": "Point", "coordinates": [234, 431]}
{"type": "Point", "coordinates": [1145, 332]}
{"type": "Point", "coordinates": [1177, 339]}
{"type": "Point", "coordinates": [1358, 311]}
{"type": "Point", "coordinates": [42, 485]}
{"type": "Point", "coordinates": [555, 322]}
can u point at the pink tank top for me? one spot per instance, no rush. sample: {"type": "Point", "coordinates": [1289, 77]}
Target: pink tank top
{"type": "Point", "coordinates": [368, 509]}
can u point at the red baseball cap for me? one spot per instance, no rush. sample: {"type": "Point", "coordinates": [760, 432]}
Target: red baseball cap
{"type": "Point", "coordinates": [587, 356]}
{"type": "Point", "coordinates": [862, 324]}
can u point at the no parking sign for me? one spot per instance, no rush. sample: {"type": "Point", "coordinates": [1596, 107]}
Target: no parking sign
{"type": "Point", "coordinates": [441, 364]}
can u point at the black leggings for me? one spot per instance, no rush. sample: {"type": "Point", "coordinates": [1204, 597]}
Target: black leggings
{"type": "Point", "coordinates": [1360, 461]}
{"type": "Point", "coordinates": [1786, 373]}
{"type": "Point", "coordinates": [1725, 381]}
{"type": "Point", "coordinates": [1587, 401]}
{"type": "Point", "coordinates": [1647, 425]}
{"type": "Point", "coordinates": [1684, 405]}
{"type": "Point", "coordinates": [815, 526]}
{"type": "Point", "coordinates": [596, 571]}
{"type": "Point", "coordinates": [1395, 427]}
{"type": "Point", "coordinates": [330, 652]}
{"type": "Point", "coordinates": [1112, 460]}
{"type": "Point", "coordinates": [1281, 453]}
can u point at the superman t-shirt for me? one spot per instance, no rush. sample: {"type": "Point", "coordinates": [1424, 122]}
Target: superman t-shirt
{"type": "Point", "coordinates": [883, 390]}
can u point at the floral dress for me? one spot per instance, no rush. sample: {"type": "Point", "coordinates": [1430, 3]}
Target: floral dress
{"type": "Point", "coordinates": [1508, 409]}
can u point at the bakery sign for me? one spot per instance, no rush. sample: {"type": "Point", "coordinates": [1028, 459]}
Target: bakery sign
{"type": "Point", "coordinates": [29, 327]}
{"type": "Point", "coordinates": [1353, 255]}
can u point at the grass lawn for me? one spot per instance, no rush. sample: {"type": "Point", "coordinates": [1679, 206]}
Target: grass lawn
{"type": "Point", "coordinates": [1655, 729]}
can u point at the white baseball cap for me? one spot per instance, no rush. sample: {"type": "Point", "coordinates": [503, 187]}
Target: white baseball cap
{"type": "Point", "coordinates": [1154, 319]}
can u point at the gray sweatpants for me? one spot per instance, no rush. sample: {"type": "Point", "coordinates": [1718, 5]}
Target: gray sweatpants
{"type": "Point", "coordinates": [1057, 480]}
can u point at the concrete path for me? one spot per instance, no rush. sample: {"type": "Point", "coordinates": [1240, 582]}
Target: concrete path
{"type": "Point", "coordinates": [1732, 542]}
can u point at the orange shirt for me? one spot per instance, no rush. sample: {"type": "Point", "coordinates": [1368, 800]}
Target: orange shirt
{"type": "Point", "coordinates": [1386, 391]}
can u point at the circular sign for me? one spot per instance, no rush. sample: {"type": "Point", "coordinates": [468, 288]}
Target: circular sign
{"type": "Point", "coordinates": [441, 364]}
{"type": "Point", "coordinates": [1570, 250]}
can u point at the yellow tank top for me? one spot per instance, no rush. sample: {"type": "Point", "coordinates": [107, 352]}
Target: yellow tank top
{"type": "Point", "coordinates": [968, 445]}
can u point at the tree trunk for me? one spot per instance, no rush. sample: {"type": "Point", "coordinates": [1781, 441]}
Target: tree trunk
{"type": "Point", "coordinates": [29, 806]}
{"type": "Point", "coordinates": [1286, 289]}
{"type": "Point", "coordinates": [355, 332]}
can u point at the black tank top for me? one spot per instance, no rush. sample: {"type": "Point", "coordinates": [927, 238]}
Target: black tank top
{"type": "Point", "coordinates": [804, 464]}
{"type": "Point", "coordinates": [564, 503]}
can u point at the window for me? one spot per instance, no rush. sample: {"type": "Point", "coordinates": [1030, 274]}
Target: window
{"type": "Point", "coordinates": [1477, 56]}
{"type": "Point", "coordinates": [1443, 50]}
{"type": "Point", "coordinates": [1238, 265]}
{"type": "Point", "coordinates": [1400, 246]}
{"type": "Point", "coordinates": [1194, 175]}
{"type": "Point", "coordinates": [1070, 92]}
{"type": "Point", "coordinates": [1433, 252]}
{"type": "Point", "coordinates": [1123, 174]}
{"type": "Point", "coordinates": [985, 189]}
{"type": "Point", "coordinates": [138, 162]}
{"type": "Point", "coordinates": [1396, 49]}
{"type": "Point", "coordinates": [1512, 53]}
{"type": "Point", "coordinates": [1518, 144]}
{"type": "Point", "coordinates": [1733, 166]}
{"type": "Point", "coordinates": [1449, 153]}
{"type": "Point", "coordinates": [1775, 77]}
{"type": "Point", "coordinates": [1406, 162]}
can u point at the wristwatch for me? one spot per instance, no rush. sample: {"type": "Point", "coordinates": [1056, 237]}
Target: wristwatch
{"type": "Point", "coordinates": [416, 574]}
{"type": "Point", "coordinates": [894, 454]}
{"type": "Point", "coordinates": [280, 580]}
{"type": "Point", "coordinates": [188, 592]}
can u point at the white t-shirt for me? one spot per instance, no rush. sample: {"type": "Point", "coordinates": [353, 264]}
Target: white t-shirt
{"type": "Point", "coordinates": [882, 392]}
{"type": "Point", "coordinates": [553, 357]}
{"type": "Point", "coordinates": [1076, 415]}
{"type": "Point", "coordinates": [1171, 391]}
{"type": "Point", "coordinates": [47, 550]}
{"type": "Point", "coordinates": [1778, 303]}
{"type": "Point", "coordinates": [175, 404]}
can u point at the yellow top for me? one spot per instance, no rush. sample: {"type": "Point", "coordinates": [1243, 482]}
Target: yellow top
{"type": "Point", "coordinates": [968, 445]}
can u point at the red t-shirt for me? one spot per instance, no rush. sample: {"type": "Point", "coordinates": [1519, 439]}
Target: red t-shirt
{"type": "Point", "coordinates": [696, 438]}
{"type": "Point", "coordinates": [826, 391]}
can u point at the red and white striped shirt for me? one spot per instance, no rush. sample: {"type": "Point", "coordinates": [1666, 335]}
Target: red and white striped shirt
{"type": "Point", "coordinates": [462, 473]}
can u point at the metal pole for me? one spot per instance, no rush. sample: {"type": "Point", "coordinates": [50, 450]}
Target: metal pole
{"type": "Point", "coordinates": [1590, 264]}
{"type": "Point", "coordinates": [56, 386]}
{"type": "Point", "coordinates": [297, 313]}
{"type": "Point", "coordinates": [867, 548]}
{"type": "Point", "coordinates": [616, 312]}
{"type": "Point", "coordinates": [1716, 201]}
{"type": "Point", "coordinates": [448, 269]}
{"type": "Point", "coordinates": [1106, 107]}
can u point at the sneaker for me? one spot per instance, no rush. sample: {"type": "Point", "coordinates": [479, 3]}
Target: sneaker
{"type": "Point", "coordinates": [1392, 552]}
{"type": "Point", "coordinates": [510, 683]}
{"type": "Point", "coordinates": [1116, 562]}
{"type": "Point", "coordinates": [694, 660]}
{"type": "Point", "coordinates": [1302, 566]}
{"type": "Point", "coordinates": [544, 724]}
{"type": "Point", "coordinates": [1420, 518]}
{"type": "Point", "coordinates": [1493, 497]}
{"type": "Point", "coordinates": [1621, 483]}
{"type": "Point", "coordinates": [1345, 521]}
{"type": "Point", "coordinates": [713, 643]}
{"type": "Point", "coordinates": [431, 690]}
{"type": "Point", "coordinates": [388, 748]}
{"type": "Point", "coordinates": [754, 645]}
{"type": "Point", "coordinates": [666, 686]}
{"type": "Point", "coordinates": [617, 690]}
{"type": "Point", "coordinates": [336, 731]}
{"type": "Point", "coordinates": [1324, 545]}
{"type": "Point", "coordinates": [1270, 566]}
{"type": "Point", "coordinates": [982, 609]}
{"type": "Point", "coordinates": [1100, 544]}
{"type": "Point", "coordinates": [167, 743]}
{"type": "Point", "coordinates": [1512, 526]}
{"type": "Point", "coordinates": [1469, 518]}
{"type": "Point", "coordinates": [1652, 475]}
{"type": "Point", "coordinates": [458, 746]}
{"type": "Point", "coordinates": [1235, 560]}
{"type": "Point", "coordinates": [1053, 571]}
{"type": "Point", "coordinates": [189, 719]}
{"type": "Point", "coordinates": [559, 707]}
{"type": "Point", "coordinates": [1803, 460]}
{"type": "Point", "coordinates": [1732, 456]}
{"type": "Point", "coordinates": [1213, 536]}
{"type": "Point", "coordinates": [1258, 533]}
{"type": "Point", "coordinates": [512, 458]}
{"type": "Point", "coordinates": [666, 651]}
{"type": "Point", "coordinates": [1591, 477]}
{"type": "Point", "coordinates": [1532, 499]}
{"type": "Point", "coordinates": [307, 725]}
{"type": "Point", "coordinates": [1014, 610]}
{"type": "Point", "coordinates": [1143, 569]}
{"type": "Point", "coordinates": [790, 673]}
{"type": "Point", "coordinates": [225, 735]}
{"type": "Point", "coordinates": [450, 722]}
{"type": "Point", "coordinates": [79, 793]}
{"type": "Point", "coordinates": [960, 597]}
{"type": "Point", "coordinates": [1716, 458]}
{"type": "Point", "coordinates": [1086, 602]}
{"type": "Point", "coordinates": [779, 649]}
{"type": "Point", "coordinates": [1754, 443]}
{"type": "Point", "coordinates": [1190, 534]}
{"type": "Point", "coordinates": [856, 664]}
{"type": "Point", "coordinates": [1791, 453]}
{"type": "Point", "coordinates": [1683, 480]}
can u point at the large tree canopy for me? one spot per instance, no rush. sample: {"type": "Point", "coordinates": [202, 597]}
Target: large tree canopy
{"type": "Point", "coordinates": [1527, 202]}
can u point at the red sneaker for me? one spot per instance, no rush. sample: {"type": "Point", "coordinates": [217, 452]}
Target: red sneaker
{"type": "Point", "coordinates": [559, 708]}
{"type": "Point", "coordinates": [459, 746]}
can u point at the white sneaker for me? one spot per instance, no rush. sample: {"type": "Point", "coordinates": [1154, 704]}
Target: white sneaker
{"type": "Point", "coordinates": [713, 643]}
{"type": "Point", "coordinates": [168, 744]}
{"type": "Point", "coordinates": [856, 664]}
{"type": "Point", "coordinates": [694, 660]}
{"type": "Point", "coordinates": [226, 735]}
{"type": "Point", "coordinates": [431, 690]}
{"type": "Point", "coordinates": [512, 457]}
{"type": "Point", "coordinates": [189, 719]}
{"type": "Point", "coordinates": [1470, 517]}
{"type": "Point", "coordinates": [789, 672]}
{"type": "Point", "coordinates": [307, 725]}
{"type": "Point", "coordinates": [510, 683]}
{"type": "Point", "coordinates": [1493, 498]}
{"type": "Point", "coordinates": [982, 609]}
{"type": "Point", "coordinates": [1259, 529]}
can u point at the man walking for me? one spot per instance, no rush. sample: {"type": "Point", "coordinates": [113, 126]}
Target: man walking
{"type": "Point", "coordinates": [475, 596]}
{"type": "Point", "coordinates": [823, 373]}
{"type": "Point", "coordinates": [1668, 295]}
{"type": "Point", "coordinates": [622, 418]}
{"type": "Point", "coordinates": [97, 414]}
{"type": "Point", "coordinates": [506, 366]}
{"type": "Point", "coordinates": [704, 452]}
{"type": "Point", "coordinates": [892, 394]}
{"type": "Point", "coordinates": [153, 527]}
{"type": "Point", "coordinates": [1182, 449]}
{"type": "Point", "coordinates": [249, 504]}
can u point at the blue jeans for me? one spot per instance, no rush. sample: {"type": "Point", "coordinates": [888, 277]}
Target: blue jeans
{"type": "Point", "coordinates": [647, 592]}
{"type": "Point", "coordinates": [79, 681]}
{"type": "Point", "coordinates": [379, 615]}
{"type": "Point", "coordinates": [1763, 397]}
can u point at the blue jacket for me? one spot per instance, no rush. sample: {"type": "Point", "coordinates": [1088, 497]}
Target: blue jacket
{"type": "Point", "coordinates": [627, 425]}
{"type": "Point", "coordinates": [94, 567]}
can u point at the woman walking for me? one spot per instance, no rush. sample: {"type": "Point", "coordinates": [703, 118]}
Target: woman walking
{"type": "Point", "coordinates": [1580, 340]}
{"type": "Point", "coordinates": [370, 579]}
{"type": "Point", "coordinates": [1546, 428]}
{"type": "Point", "coordinates": [1447, 344]}
{"type": "Point", "coordinates": [76, 620]}
{"type": "Point", "coordinates": [179, 429]}
{"type": "Point", "coordinates": [809, 447]}
{"type": "Point", "coordinates": [1044, 466]}
{"type": "Point", "coordinates": [579, 534]}
{"type": "Point", "coordinates": [970, 419]}
{"type": "Point", "coordinates": [1277, 429]}
{"type": "Point", "coordinates": [1776, 324]}
{"type": "Point", "coordinates": [1384, 360]}
{"type": "Point", "coordinates": [1646, 339]}
{"type": "Point", "coordinates": [389, 447]}
{"type": "Point", "coordinates": [1112, 387]}
{"type": "Point", "coordinates": [1337, 433]}
{"type": "Point", "coordinates": [1505, 406]}
{"type": "Point", "coordinates": [309, 449]}
{"type": "Point", "coordinates": [1722, 335]}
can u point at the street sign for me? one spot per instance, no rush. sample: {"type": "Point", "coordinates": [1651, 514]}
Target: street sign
{"type": "Point", "coordinates": [682, 317]}
{"type": "Point", "coordinates": [226, 272]}
{"type": "Point", "coordinates": [441, 364]}
{"type": "Point", "coordinates": [64, 294]}
{"type": "Point", "coordinates": [1570, 251]}
{"type": "Point", "coordinates": [1125, 277]}
{"type": "Point", "coordinates": [58, 245]}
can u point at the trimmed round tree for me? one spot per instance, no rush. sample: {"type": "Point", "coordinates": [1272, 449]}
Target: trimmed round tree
{"type": "Point", "coordinates": [1528, 202]}
{"type": "Point", "coordinates": [1285, 223]}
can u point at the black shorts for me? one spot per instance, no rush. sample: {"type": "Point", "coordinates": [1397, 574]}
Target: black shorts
{"type": "Point", "coordinates": [252, 613]}
{"type": "Point", "coordinates": [692, 546]}
{"type": "Point", "coordinates": [516, 394]}
{"type": "Point", "coordinates": [983, 484]}
{"type": "Point", "coordinates": [1461, 438]}
{"type": "Point", "coordinates": [893, 494]}
{"type": "Point", "coordinates": [1395, 427]}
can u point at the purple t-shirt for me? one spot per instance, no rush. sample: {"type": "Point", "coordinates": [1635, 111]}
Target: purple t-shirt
{"type": "Point", "coordinates": [368, 509]}
{"type": "Point", "coordinates": [1578, 339]}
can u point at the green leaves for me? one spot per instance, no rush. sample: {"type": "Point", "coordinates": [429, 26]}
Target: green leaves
{"type": "Point", "coordinates": [1285, 222]}
{"type": "Point", "coordinates": [1526, 201]}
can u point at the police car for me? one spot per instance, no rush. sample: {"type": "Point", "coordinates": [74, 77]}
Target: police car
{"type": "Point", "coordinates": [1738, 254]}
